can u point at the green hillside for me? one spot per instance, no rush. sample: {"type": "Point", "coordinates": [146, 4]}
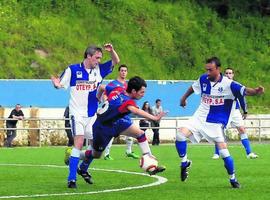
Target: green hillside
{"type": "Point", "coordinates": [157, 39]}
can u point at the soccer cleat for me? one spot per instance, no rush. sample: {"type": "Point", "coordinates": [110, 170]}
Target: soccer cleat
{"type": "Point", "coordinates": [184, 170]}
{"type": "Point", "coordinates": [235, 184]}
{"type": "Point", "coordinates": [85, 175]}
{"type": "Point", "coordinates": [159, 169]}
{"type": "Point", "coordinates": [67, 155]}
{"type": "Point", "coordinates": [215, 156]}
{"type": "Point", "coordinates": [108, 157]}
{"type": "Point", "coordinates": [252, 156]}
{"type": "Point", "coordinates": [132, 155]}
{"type": "Point", "coordinates": [72, 184]}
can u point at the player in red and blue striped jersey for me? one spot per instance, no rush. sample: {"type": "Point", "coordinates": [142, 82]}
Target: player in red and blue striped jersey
{"type": "Point", "coordinates": [113, 120]}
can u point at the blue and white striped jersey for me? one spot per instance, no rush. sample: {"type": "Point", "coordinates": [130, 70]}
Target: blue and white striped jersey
{"type": "Point", "coordinates": [217, 98]}
{"type": "Point", "coordinates": [83, 85]}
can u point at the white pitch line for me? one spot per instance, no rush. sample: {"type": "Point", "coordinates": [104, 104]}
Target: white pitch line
{"type": "Point", "coordinates": [160, 180]}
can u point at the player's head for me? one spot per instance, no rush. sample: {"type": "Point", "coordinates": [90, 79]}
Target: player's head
{"type": "Point", "coordinates": [229, 73]}
{"type": "Point", "coordinates": [213, 68]}
{"type": "Point", "coordinates": [93, 54]}
{"type": "Point", "coordinates": [136, 87]}
{"type": "Point", "coordinates": [122, 71]}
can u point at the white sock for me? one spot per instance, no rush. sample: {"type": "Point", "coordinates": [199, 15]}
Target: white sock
{"type": "Point", "coordinates": [108, 147]}
{"type": "Point", "coordinates": [129, 142]}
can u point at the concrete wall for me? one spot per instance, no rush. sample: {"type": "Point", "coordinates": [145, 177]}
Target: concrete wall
{"type": "Point", "coordinates": [58, 137]}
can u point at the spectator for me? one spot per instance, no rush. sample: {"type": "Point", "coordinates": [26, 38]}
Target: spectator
{"type": "Point", "coordinates": [16, 114]}
{"type": "Point", "coordinates": [143, 122]}
{"type": "Point", "coordinates": [157, 109]}
{"type": "Point", "coordinates": [67, 126]}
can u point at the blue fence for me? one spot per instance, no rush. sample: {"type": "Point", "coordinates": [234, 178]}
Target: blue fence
{"type": "Point", "coordinates": [41, 93]}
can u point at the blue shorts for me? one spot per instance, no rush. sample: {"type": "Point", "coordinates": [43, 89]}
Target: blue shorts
{"type": "Point", "coordinates": [103, 133]}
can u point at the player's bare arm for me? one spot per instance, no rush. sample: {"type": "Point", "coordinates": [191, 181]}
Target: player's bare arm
{"type": "Point", "coordinates": [56, 82]}
{"type": "Point", "coordinates": [254, 91]}
{"type": "Point", "coordinates": [144, 114]}
{"type": "Point", "coordinates": [183, 100]}
{"type": "Point", "coordinates": [115, 58]}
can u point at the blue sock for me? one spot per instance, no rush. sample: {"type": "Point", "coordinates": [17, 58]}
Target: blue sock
{"type": "Point", "coordinates": [228, 163]}
{"type": "Point", "coordinates": [73, 164]}
{"type": "Point", "coordinates": [87, 161]}
{"type": "Point", "coordinates": [216, 150]}
{"type": "Point", "coordinates": [246, 145]}
{"type": "Point", "coordinates": [181, 147]}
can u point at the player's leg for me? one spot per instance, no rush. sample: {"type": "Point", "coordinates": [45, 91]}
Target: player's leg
{"type": "Point", "coordinates": [181, 147]}
{"type": "Point", "coordinates": [216, 154]}
{"type": "Point", "coordinates": [78, 133]}
{"type": "Point", "coordinates": [245, 142]}
{"type": "Point", "coordinates": [228, 163]}
{"type": "Point", "coordinates": [129, 152]}
{"type": "Point", "coordinates": [107, 151]}
{"type": "Point", "coordinates": [136, 132]}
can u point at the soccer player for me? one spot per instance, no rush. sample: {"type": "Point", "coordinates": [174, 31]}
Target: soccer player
{"type": "Point", "coordinates": [83, 79]}
{"type": "Point", "coordinates": [218, 95]}
{"type": "Point", "coordinates": [113, 120]}
{"type": "Point", "coordinates": [237, 120]}
{"type": "Point", "coordinates": [118, 84]}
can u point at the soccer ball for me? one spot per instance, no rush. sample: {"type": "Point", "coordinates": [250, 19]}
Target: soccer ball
{"type": "Point", "coordinates": [148, 163]}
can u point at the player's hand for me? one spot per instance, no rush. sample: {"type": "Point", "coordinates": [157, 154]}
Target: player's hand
{"type": "Point", "coordinates": [160, 115]}
{"type": "Point", "coordinates": [183, 102]}
{"type": "Point", "coordinates": [56, 81]}
{"type": "Point", "coordinates": [259, 90]}
{"type": "Point", "coordinates": [244, 115]}
{"type": "Point", "coordinates": [108, 47]}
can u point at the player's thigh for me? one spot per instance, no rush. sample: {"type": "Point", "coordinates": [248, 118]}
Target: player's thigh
{"type": "Point", "coordinates": [213, 132]}
{"type": "Point", "coordinates": [77, 125]}
{"type": "Point", "coordinates": [132, 131]}
{"type": "Point", "coordinates": [89, 122]}
{"type": "Point", "coordinates": [237, 119]}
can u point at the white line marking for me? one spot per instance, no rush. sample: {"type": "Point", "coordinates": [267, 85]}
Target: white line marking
{"type": "Point", "coordinates": [160, 180]}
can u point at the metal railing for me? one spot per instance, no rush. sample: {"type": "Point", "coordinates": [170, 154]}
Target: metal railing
{"type": "Point", "coordinates": [257, 121]}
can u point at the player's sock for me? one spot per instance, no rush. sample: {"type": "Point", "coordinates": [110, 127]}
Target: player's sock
{"type": "Point", "coordinates": [228, 161]}
{"type": "Point", "coordinates": [143, 144]}
{"type": "Point", "coordinates": [108, 147]}
{"type": "Point", "coordinates": [73, 163]}
{"type": "Point", "coordinates": [216, 150]}
{"type": "Point", "coordinates": [245, 142]}
{"type": "Point", "coordinates": [87, 161]}
{"type": "Point", "coordinates": [129, 142]}
{"type": "Point", "coordinates": [181, 147]}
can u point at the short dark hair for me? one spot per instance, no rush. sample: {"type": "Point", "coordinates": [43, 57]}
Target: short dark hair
{"type": "Point", "coordinates": [91, 50]}
{"type": "Point", "coordinates": [214, 60]}
{"type": "Point", "coordinates": [123, 65]}
{"type": "Point", "coordinates": [228, 68]}
{"type": "Point", "coordinates": [136, 83]}
{"type": "Point", "coordinates": [157, 100]}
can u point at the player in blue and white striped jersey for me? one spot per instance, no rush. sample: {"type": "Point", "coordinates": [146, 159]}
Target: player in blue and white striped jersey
{"type": "Point", "coordinates": [83, 79]}
{"type": "Point", "coordinates": [237, 120]}
{"type": "Point", "coordinates": [218, 94]}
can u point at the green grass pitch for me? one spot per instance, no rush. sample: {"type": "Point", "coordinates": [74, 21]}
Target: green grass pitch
{"type": "Point", "coordinates": [207, 178]}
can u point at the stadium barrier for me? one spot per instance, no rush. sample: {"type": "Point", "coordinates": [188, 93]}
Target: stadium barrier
{"type": "Point", "coordinates": [51, 131]}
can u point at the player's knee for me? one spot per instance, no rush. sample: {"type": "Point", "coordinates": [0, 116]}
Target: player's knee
{"type": "Point", "coordinates": [224, 153]}
{"type": "Point", "coordinates": [241, 130]}
{"type": "Point", "coordinates": [180, 135]}
{"type": "Point", "coordinates": [141, 138]}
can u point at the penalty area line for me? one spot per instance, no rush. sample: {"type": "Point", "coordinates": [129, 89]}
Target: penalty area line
{"type": "Point", "coordinates": [159, 180]}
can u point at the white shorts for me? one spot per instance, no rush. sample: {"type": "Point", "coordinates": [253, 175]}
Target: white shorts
{"type": "Point", "coordinates": [212, 132]}
{"type": "Point", "coordinates": [236, 119]}
{"type": "Point", "coordinates": [82, 125]}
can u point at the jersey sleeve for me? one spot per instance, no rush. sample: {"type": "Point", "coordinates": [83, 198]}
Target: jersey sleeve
{"type": "Point", "coordinates": [106, 68]}
{"type": "Point", "coordinates": [123, 107]}
{"type": "Point", "coordinates": [196, 86]}
{"type": "Point", "coordinates": [65, 78]}
{"type": "Point", "coordinates": [237, 89]}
